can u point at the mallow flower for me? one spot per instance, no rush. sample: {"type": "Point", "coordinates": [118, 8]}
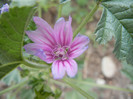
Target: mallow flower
{"type": "Point", "coordinates": [4, 8]}
{"type": "Point", "coordinates": [57, 46]}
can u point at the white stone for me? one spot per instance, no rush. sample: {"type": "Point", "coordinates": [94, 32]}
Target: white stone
{"type": "Point", "coordinates": [108, 67]}
{"type": "Point", "coordinates": [100, 81]}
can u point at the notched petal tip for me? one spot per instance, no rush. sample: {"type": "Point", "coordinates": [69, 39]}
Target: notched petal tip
{"type": "Point", "coordinates": [60, 19]}
{"type": "Point", "coordinates": [58, 69]}
{"type": "Point", "coordinates": [71, 68]}
{"type": "Point", "coordinates": [70, 18]}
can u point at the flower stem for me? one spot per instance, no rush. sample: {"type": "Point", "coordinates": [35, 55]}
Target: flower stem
{"type": "Point", "coordinates": [13, 87]}
{"type": "Point", "coordinates": [101, 86]}
{"type": "Point", "coordinates": [39, 11]}
{"type": "Point", "coordinates": [86, 19]}
{"type": "Point", "coordinates": [35, 65]}
{"type": "Point", "coordinates": [77, 88]}
{"type": "Point", "coordinates": [60, 10]}
{"type": "Point", "coordinates": [91, 84]}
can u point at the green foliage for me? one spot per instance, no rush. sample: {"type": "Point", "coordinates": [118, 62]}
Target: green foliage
{"type": "Point", "coordinates": [12, 78]}
{"type": "Point", "coordinates": [75, 95]}
{"type": "Point", "coordinates": [67, 9]}
{"type": "Point", "coordinates": [42, 94]}
{"type": "Point", "coordinates": [78, 89]}
{"type": "Point", "coordinates": [127, 70]}
{"type": "Point", "coordinates": [42, 90]}
{"type": "Point", "coordinates": [64, 1]}
{"type": "Point", "coordinates": [117, 21]}
{"type": "Point", "coordinates": [24, 73]}
{"type": "Point", "coordinates": [27, 93]}
{"type": "Point", "coordinates": [21, 3]}
{"type": "Point", "coordinates": [10, 96]}
{"type": "Point", "coordinates": [82, 2]}
{"type": "Point", "coordinates": [12, 27]}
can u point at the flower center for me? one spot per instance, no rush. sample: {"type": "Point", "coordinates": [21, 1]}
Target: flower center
{"type": "Point", "coordinates": [60, 53]}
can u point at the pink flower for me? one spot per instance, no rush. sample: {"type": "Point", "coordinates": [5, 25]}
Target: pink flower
{"type": "Point", "coordinates": [57, 46]}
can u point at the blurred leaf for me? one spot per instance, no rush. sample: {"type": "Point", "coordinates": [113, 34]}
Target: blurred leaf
{"type": "Point", "coordinates": [82, 2]}
{"type": "Point", "coordinates": [64, 1]}
{"type": "Point", "coordinates": [77, 88]}
{"type": "Point", "coordinates": [12, 27]}
{"type": "Point", "coordinates": [31, 26]}
{"type": "Point", "coordinates": [24, 73]}
{"type": "Point", "coordinates": [127, 70]}
{"type": "Point", "coordinates": [12, 77]}
{"type": "Point", "coordinates": [57, 94]}
{"type": "Point", "coordinates": [42, 94]}
{"type": "Point", "coordinates": [117, 21]}
{"type": "Point", "coordinates": [27, 94]}
{"type": "Point", "coordinates": [67, 9]}
{"type": "Point", "coordinates": [36, 83]}
{"type": "Point", "coordinates": [20, 3]}
{"type": "Point", "coordinates": [2, 2]}
{"type": "Point", "coordinates": [10, 96]}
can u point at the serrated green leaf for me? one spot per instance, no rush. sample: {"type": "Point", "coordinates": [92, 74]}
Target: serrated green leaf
{"type": "Point", "coordinates": [117, 21]}
{"type": "Point", "coordinates": [128, 70]}
{"type": "Point", "coordinates": [130, 56]}
{"type": "Point", "coordinates": [12, 27]}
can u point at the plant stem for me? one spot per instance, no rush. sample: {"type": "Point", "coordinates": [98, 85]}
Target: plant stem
{"type": "Point", "coordinates": [13, 87]}
{"type": "Point", "coordinates": [85, 94]}
{"type": "Point", "coordinates": [60, 10]}
{"type": "Point", "coordinates": [39, 11]}
{"type": "Point", "coordinates": [86, 19]}
{"type": "Point", "coordinates": [101, 86]}
{"type": "Point", "coordinates": [92, 84]}
{"type": "Point", "coordinates": [34, 65]}
{"type": "Point", "coordinates": [16, 62]}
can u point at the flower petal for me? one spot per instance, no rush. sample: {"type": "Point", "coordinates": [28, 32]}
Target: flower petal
{"type": "Point", "coordinates": [71, 67]}
{"type": "Point", "coordinates": [5, 8]}
{"type": "Point", "coordinates": [40, 36]}
{"type": "Point", "coordinates": [39, 50]}
{"type": "Point", "coordinates": [43, 24]}
{"type": "Point", "coordinates": [35, 49]}
{"type": "Point", "coordinates": [44, 31]}
{"type": "Point", "coordinates": [63, 31]}
{"type": "Point", "coordinates": [78, 46]}
{"type": "Point", "coordinates": [58, 69]}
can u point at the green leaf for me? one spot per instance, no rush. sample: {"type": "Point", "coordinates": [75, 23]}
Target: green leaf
{"type": "Point", "coordinates": [64, 1]}
{"type": "Point", "coordinates": [82, 92]}
{"type": "Point", "coordinates": [76, 95]}
{"type": "Point", "coordinates": [127, 70]}
{"type": "Point", "coordinates": [130, 56]}
{"type": "Point", "coordinates": [67, 9]}
{"type": "Point", "coordinates": [21, 3]}
{"type": "Point", "coordinates": [12, 27]}
{"type": "Point", "coordinates": [27, 94]}
{"type": "Point", "coordinates": [12, 77]}
{"type": "Point", "coordinates": [82, 2]}
{"type": "Point", "coordinates": [117, 21]}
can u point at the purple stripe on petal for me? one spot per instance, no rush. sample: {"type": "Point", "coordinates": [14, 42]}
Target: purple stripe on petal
{"type": "Point", "coordinates": [71, 67]}
{"type": "Point", "coordinates": [63, 31]}
{"type": "Point", "coordinates": [58, 70]}
{"type": "Point", "coordinates": [78, 46]}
